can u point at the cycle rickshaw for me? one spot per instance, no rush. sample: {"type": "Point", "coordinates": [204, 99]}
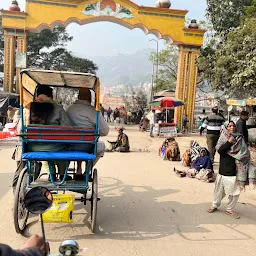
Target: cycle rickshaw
{"type": "Point", "coordinates": [29, 176]}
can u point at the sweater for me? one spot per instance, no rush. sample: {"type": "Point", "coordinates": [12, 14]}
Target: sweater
{"type": "Point", "coordinates": [227, 162]}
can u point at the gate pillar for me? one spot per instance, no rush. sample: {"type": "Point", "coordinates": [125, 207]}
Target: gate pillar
{"type": "Point", "coordinates": [9, 61]}
{"type": "Point", "coordinates": [21, 48]}
{"type": "Point", "coordinates": [186, 84]}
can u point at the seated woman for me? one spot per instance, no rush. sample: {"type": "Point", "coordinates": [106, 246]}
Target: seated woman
{"type": "Point", "coordinates": [202, 166]}
{"type": "Point", "coordinates": [191, 154]}
{"type": "Point", "coordinates": [46, 112]}
{"type": "Point", "coordinates": [170, 150]}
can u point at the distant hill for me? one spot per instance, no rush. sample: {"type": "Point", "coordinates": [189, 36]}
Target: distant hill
{"type": "Point", "coordinates": [128, 69]}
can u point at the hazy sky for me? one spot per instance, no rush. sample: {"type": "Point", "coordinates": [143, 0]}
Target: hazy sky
{"type": "Point", "coordinates": [104, 38]}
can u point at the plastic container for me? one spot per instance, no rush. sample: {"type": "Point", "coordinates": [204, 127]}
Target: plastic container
{"type": "Point", "coordinates": [62, 209]}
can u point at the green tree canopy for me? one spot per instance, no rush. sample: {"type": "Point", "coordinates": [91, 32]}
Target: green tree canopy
{"type": "Point", "coordinates": [225, 15]}
{"type": "Point", "coordinates": [230, 65]}
{"type": "Point", "coordinates": [168, 65]}
{"type": "Point", "coordinates": [46, 50]}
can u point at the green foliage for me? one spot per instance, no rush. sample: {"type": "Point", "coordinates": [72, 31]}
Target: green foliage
{"type": "Point", "coordinates": [46, 50]}
{"type": "Point", "coordinates": [225, 15]}
{"type": "Point", "coordinates": [168, 65]}
{"type": "Point", "coordinates": [230, 65]}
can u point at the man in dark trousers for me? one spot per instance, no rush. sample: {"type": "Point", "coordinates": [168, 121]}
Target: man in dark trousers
{"type": "Point", "coordinates": [213, 123]}
{"type": "Point", "coordinates": [241, 124]}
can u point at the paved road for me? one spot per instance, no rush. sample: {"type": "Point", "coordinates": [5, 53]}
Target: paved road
{"type": "Point", "coordinates": [145, 209]}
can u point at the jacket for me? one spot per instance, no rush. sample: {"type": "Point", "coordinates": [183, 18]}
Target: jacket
{"type": "Point", "coordinates": [227, 162]}
{"type": "Point", "coordinates": [241, 128]}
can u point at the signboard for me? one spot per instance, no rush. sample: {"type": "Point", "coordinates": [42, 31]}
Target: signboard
{"type": "Point", "coordinates": [166, 131]}
{"type": "Point", "coordinates": [240, 103]}
{"type": "Point", "coordinates": [251, 102]}
{"type": "Point", "coordinates": [21, 60]}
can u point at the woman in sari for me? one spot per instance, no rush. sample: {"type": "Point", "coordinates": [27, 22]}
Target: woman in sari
{"type": "Point", "coordinates": [192, 153]}
{"type": "Point", "coordinates": [234, 171]}
{"type": "Point", "coordinates": [170, 150]}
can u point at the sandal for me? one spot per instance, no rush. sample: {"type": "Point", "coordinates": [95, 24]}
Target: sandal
{"type": "Point", "coordinates": [211, 210]}
{"type": "Point", "coordinates": [233, 214]}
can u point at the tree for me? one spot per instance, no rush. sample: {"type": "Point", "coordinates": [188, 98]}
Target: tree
{"type": "Point", "coordinates": [46, 50]}
{"type": "Point", "coordinates": [168, 65]}
{"type": "Point", "coordinates": [225, 15]}
{"type": "Point", "coordinates": [230, 65]}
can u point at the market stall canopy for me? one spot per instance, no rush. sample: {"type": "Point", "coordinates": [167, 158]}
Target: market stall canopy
{"type": "Point", "coordinates": [166, 102]}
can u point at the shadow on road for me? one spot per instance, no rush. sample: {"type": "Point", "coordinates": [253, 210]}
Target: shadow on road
{"type": "Point", "coordinates": [128, 212]}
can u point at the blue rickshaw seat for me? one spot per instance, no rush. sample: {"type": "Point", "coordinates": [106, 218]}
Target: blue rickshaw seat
{"type": "Point", "coordinates": [59, 156]}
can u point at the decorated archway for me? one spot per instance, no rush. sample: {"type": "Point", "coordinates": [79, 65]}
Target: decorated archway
{"type": "Point", "coordinates": [163, 22]}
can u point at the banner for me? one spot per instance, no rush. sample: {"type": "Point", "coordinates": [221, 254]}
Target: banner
{"type": "Point", "coordinates": [251, 102]}
{"type": "Point", "coordinates": [240, 103]}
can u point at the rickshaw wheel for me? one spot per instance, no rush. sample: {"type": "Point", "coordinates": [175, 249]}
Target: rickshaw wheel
{"type": "Point", "coordinates": [20, 213]}
{"type": "Point", "coordinates": [94, 201]}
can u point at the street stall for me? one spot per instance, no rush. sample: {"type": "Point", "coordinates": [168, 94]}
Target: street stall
{"type": "Point", "coordinates": [165, 126]}
{"type": "Point", "coordinates": [236, 106]}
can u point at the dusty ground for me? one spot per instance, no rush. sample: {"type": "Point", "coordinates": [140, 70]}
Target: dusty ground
{"type": "Point", "coordinates": [145, 209]}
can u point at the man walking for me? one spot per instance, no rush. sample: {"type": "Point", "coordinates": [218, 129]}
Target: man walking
{"type": "Point", "coordinates": [152, 122]}
{"type": "Point", "coordinates": [213, 124]}
{"type": "Point", "coordinates": [184, 123]}
{"type": "Point", "coordinates": [241, 125]}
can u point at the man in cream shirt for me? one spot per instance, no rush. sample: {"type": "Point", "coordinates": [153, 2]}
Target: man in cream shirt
{"type": "Point", "coordinates": [83, 114]}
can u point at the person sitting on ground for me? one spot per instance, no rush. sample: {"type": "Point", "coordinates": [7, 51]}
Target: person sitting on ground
{"type": "Point", "coordinates": [191, 154]}
{"type": "Point", "coordinates": [83, 114]}
{"type": "Point", "coordinates": [172, 150]}
{"type": "Point", "coordinates": [122, 143]}
{"type": "Point", "coordinates": [202, 167]}
{"type": "Point", "coordinates": [44, 110]}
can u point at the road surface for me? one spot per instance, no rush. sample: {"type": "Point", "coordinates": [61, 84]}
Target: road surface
{"type": "Point", "coordinates": [145, 209]}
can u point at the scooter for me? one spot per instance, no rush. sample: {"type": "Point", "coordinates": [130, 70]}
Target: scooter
{"type": "Point", "coordinates": [37, 201]}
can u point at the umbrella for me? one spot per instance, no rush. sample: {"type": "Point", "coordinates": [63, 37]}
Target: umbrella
{"type": "Point", "coordinates": [166, 102]}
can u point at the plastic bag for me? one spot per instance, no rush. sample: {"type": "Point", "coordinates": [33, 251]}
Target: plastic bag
{"type": "Point", "coordinates": [61, 210]}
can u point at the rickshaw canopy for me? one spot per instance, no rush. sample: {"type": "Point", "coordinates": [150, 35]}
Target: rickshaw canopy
{"type": "Point", "coordinates": [30, 78]}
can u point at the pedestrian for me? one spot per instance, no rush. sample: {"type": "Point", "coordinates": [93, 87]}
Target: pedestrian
{"type": "Point", "coordinates": [241, 125]}
{"type": "Point", "coordinates": [109, 112]}
{"type": "Point", "coordinates": [102, 110]}
{"type": "Point", "coordinates": [234, 168]}
{"type": "Point", "coordinates": [213, 123]}
{"type": "Point", "coordinates": [184, 123]}
{"type": "Point", "coordinates": [152, 122]}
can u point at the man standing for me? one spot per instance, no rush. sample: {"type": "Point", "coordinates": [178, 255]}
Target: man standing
{"type": "Point", "coordinates": [241, 125]}
{"type": "Point", "coordinates": [184, 123]}
{"type": "Point", "coordinates": [152, 122]}
{"type": "Point", "coordinates": [109, 112]}
{"type": "Point", "coordinates": [213, 124]}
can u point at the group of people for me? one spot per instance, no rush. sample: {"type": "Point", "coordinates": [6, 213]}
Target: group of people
{"type": "Point", "coordinates": [118, 115]}
{"type": "Point", "coordinates": [236, 169]}
{"type": "Point", "coordinates": [45, 111]}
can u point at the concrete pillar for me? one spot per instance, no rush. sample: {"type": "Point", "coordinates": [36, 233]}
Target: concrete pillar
{"type": "Point", "coordinates": [9, 61]}
{"type": "Point", "coordinates": [186, 84]}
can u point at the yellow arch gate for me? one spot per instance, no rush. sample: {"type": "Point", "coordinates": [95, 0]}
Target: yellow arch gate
{"type": "Point", "coordinates": [164, 23]}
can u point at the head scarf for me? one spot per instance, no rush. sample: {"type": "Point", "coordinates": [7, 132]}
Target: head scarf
{"type": "Point", "coordinates": [194, 150]}
{"type": "Point", "coordinates": [203, 162]}
{"type": "Point", "coordinates": [239, 151]}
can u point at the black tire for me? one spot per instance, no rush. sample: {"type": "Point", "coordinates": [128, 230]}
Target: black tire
{"type": "Point", "coordinates": [94, 201]}
{"type": "Point", "coordinates": [20, 213]}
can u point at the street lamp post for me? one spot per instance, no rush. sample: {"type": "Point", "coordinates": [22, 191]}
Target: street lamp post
{"type": "Point", "coordinates": [152, 81]}
{"type": "Point", "coordinates": [157, 57]}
